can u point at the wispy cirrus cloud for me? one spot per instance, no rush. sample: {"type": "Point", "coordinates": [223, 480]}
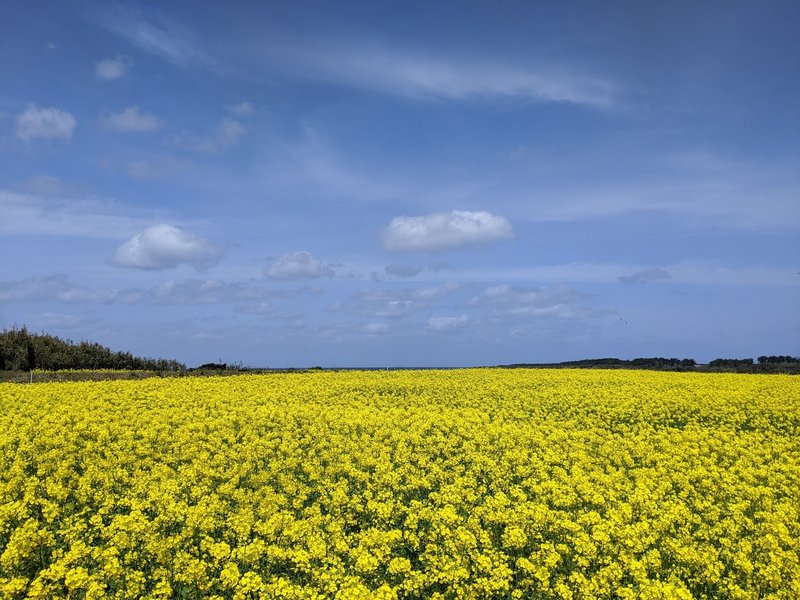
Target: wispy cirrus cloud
{"type": "Point", "coordinates": [422, 76]}
{"type": "Point", "coordinates": [702, 189]}
{"type": "Point", "coordinates": [678, 273]}
{"type": "Point", "coordinates": [251, 295]}
{"type": "Point", "coordinates": [69, 216]}
{"type": "Point", "coordinates": [155, 32]}
{"type": "Point", "coordinates": [522, 302]}
{"type": "Point", "coordinates": [52, 287]}
{"type": "Point", "coordinates": [205, 291]}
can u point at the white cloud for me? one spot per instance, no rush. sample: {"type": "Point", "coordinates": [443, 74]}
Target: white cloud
{"type": "Point", "coordinates": [51, 287]}
{"type": "Point", "coordinates": [242, 109]}
{"type": "Point", "coordinates": [30, 214]}
{"type": "Point", "coordinates": [516, 302]}
{"type": "Point", "coordinates": [398, 303]}
{"type": "Point", "coordinates": [418, 76]}
{"type": "Point", "coordinates": [386, 309]}
{"type": "Point", "coordinates": [58, 288]}
{"type": "Point", "coordinates": [297, 265]}
{"type": "Point", "coordinates": [111, 68]}
{"type": "Point", "coordinates": [47, 185]}
{"type": "Point", "coordinates": [258, 308]}
{"type": "Point", "coordinates": [374, 328]}
{"type": "Point", "coordinates": [703, 190]}
{"type": "Point", "coordinates": [46, 123]}
{"type": "Point", "coordinates": [432, 293]}
{"type": "Point", "coordinates": [646, 276]}
{"type": "Point", "coordinates": [55, 321]}
{"type": "Point", "coordinates": [397, 270]}
{"type": "Point", "coordinates": [442, 324]}
{"type": "Point", "coordinates": [203, 291]}
{"type": "Point", "coordinates": [443, 231]}
{"type": "Point", "coordinates": [227, 133]}
{"type": "Point", "coordinates": [313, 162]}
{"type": "Point", "coordinates": [140, 169]}
{"type": "Point", "coordinates": [163, 247]}
{"type": "Point", "coordinates": [157, 165]}
{"type": "Point", "coordinates": [154, 32]}
{"type": "Point", "coordinates": [132, 119]}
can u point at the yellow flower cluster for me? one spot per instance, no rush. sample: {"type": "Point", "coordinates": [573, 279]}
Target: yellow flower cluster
{"type": "Point", "coordinates": [435, 484]}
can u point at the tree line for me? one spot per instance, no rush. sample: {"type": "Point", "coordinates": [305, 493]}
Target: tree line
{"type": "Point", "coordinates": [765, 364]}
{"type": "Point", "coordinates": [21, 350]}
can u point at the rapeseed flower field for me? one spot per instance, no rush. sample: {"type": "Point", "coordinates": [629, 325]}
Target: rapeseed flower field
{"type": "Point", "coordinates": [476, 483]}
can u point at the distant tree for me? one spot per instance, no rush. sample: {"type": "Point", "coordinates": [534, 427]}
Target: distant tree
{"type": "Point", "coordinates": [213, 366]}
{"type": "Point", "coordinates": [773, 360]}
{"type": "Point", "coordinates": [731, 362]}
{"type": "Point", "coordinates": [21, 351]}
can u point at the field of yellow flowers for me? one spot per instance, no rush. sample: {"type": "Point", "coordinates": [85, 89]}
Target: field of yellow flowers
{"type": "Point", "coordinates": [476, 483]}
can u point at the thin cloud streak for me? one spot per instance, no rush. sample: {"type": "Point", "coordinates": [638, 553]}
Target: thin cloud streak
{"type": "Point", "coordinates": [60, 288]}
{"type": "Point", "coordinates": [420, 77]}
{"type": "Point", "coordinates": [83, 217]}
{"type": "Point", "coordinates": [682, 273]}
{"type": "Point", "coordinates": [154, 32]}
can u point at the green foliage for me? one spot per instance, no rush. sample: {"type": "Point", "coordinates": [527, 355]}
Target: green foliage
{"type": "Point", "coordinates": [660, 363]}
{"type": "Point", "coordinates": [21, 350]}
{"type": "Point", "coordinates": [777, 360]}
{"type": "Point", "coordinates": [731, 362]}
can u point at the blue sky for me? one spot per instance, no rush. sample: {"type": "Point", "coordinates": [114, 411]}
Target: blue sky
{"type": "Point", "coordinates": [404, 184]}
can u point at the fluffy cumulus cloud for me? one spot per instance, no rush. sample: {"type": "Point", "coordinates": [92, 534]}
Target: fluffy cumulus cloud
{"type": "Point", "coordinates": [164, 246]}
{"type": "Point", "coordinates": [444, 231]}
{"type": "Point", "coordinates": [45, 123]}
{"type": "Point", "coordinates": [646, 276]}
{"type": "Point", "coordinates": [297, 265]}
{"type": "Point", "coordinates": [111, 68]}
{"type": "Point", "coordinates": [132, 119]}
